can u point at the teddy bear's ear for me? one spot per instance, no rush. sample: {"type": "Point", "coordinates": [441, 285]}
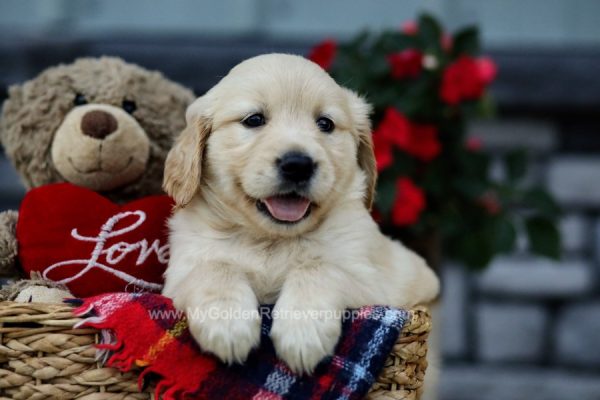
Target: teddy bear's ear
{"type": "Point", "coordinates": [11, 105]}
{"type": "Point", "coordinates": [183, 166]}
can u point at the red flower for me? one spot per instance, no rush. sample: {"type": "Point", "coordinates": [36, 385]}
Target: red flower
{"type": "Point", "coordinates": [392, 131]}
{"type": "Point", "coordinates": [474, 144]}
{"type": "Point", "coordinates": [447, 42]}
{"type": "Point", "coordinates": [395, 127]}
{"type": "Point", "coordinates": [466, 79]}
{"type": "Point", "coordinates": [324, 53]}
{"type": "Point", "coordinates": [423, 142]}
{"type": "Point", "coordinates": [489, 201]}
{"type": "Point", "coordinates": [383, 152]}
{"type": "Point", "coordinates": [461, 81]}
{"type": "Point", "coordinates": [410, 28]}
{"type": "Point", "coordinates": [487, 69]}
{"type": "Point", "coordinates": [409, 202]}
{"type": "Point", "coordinates": [406, 64]}
{"type": "Point", "coordinates": [396, 131]}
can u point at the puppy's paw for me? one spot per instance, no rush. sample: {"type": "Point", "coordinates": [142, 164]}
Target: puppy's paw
{"type": "Point", "coordinates": [303, 342]}
{"type": "Point", "coordinates": [229, 331]}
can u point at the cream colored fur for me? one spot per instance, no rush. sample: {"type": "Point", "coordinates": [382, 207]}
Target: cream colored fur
{"type": "Point", "coordinates": [226, 255]}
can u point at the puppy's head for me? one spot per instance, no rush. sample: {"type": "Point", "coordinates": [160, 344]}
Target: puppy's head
{"type": "Point", "coordinates": [276, 145]}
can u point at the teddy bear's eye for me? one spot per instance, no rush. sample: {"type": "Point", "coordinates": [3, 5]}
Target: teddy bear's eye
{"type": "Point", "coordinates": [129, 106]}
{"type": "Point", "coordinates": [79, 100]}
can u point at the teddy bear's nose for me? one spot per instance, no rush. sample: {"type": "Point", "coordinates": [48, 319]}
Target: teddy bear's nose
{"type": "Point", "coordinates": [98, 124]}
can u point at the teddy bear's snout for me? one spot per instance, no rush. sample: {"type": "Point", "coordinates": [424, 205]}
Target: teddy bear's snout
{"type": "Point", "coordinates": [100, 146]}
{"type": "Point", "coordinates": [98, 124]}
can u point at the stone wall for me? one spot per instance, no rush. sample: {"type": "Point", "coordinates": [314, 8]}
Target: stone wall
{"type": "Point", "coordinates": [528, 327]}
{"type": "Point", "coordinates": [505, 23]}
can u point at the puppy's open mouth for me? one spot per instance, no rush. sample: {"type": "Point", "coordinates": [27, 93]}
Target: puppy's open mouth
{"type": "Point", "coordinates": [287, 208]}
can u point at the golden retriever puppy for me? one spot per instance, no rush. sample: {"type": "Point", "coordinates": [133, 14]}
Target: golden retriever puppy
{"type": "Point", "coordinates": [273, 179]}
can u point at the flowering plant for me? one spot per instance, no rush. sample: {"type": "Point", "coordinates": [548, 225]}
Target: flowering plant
{"type": "Point", "coordinates": [423, 85]}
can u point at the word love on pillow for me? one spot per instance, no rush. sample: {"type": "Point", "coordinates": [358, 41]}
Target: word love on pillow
{"type": "Point", "coordinates": [79, 238]}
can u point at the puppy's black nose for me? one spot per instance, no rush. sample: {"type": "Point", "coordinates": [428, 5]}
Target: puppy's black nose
{"type": "Point", "coordinates": [98, 124]}
{"type": "Point", "coordinates": [296, 167]}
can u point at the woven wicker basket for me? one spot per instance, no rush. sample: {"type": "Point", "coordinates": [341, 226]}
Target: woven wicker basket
{"type": "Point", "coordinates": [43, 357]}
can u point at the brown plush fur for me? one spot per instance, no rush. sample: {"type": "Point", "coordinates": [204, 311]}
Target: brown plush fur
{"type": "Point", "coordinates": [8, 241]}
{"type": "Point", "coordinates": [34, 111]}
{"type": "Point", "coordinates": [39, 131]}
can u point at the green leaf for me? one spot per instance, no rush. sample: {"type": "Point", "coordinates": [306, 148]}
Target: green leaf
{"type": "Point", "coordinates": [379, 66]}
{"type": "Point", "coordinates": [392, 41]}
{"type": "Point", "coordinates": [386, 194]}
{"type": "Point", "coordinates": [505, 235]}
{"type": "Point", "coordinates": [516, 164]}
{"type": "Point", "coordinates": [486, 107]}
{"type": "Point", "coordinates": [404, 165]}
{"type": "Point", "coordinates": [466, 41]}
{"type": "Point", "coordinates": [542, 202]}
{"type": "Point", "coordinates": [474, 249]}
{"type": "Point", "coordinates": [505, 192]}
{"type": "Point", "coordinates": [475, 165]}
{"type": "Point", "coordinates": [359, 40]}
{"type": "Point", "coordinates": [470, 188]}
{"type": "Point", "coordinates": [544, 238]}
{"type": "Point", "coordinates": [432, 179]}
{"type": "Point", "coordinates": [430, 30]}
{"type": "Point", "coordinates": [450, 222]}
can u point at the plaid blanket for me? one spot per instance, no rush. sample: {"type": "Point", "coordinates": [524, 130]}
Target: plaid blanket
{"type": "Point", "coordinates": [145, 331]}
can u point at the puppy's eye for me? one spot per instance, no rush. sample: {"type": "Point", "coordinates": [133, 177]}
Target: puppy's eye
{"type": "Point", "coordinates": [254, 120]}
{"type": "Point", "coordinates": [79, 100]}
{"type": "Point", "coordinates": [325, 124]}
{"type": "Point", "coordinates": [129, 106]}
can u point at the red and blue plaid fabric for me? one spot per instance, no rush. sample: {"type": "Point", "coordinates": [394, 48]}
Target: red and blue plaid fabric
{"type": "Point", "coordinates": [148, 333]}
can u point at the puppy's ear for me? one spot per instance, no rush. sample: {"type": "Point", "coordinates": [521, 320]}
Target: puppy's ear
{"type": "Point", "coordinates": [183, 166]}
{"type": "Point", "coordinates": [366, 157]}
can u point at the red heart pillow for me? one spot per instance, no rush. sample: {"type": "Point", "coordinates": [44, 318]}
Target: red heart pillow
{"type": "Point", "coordinates": [79, 238]}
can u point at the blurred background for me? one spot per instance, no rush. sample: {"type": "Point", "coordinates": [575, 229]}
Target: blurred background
{"type": "Point", "coordinates": [525, 327]}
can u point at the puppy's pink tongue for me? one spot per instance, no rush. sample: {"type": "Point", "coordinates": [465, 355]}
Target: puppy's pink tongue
{"type": "Point", "coordinates": [290, 209]}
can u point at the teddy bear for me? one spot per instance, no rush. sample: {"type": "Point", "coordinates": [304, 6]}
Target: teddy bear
{"type": "Point", "coordinates": [89, 140]}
